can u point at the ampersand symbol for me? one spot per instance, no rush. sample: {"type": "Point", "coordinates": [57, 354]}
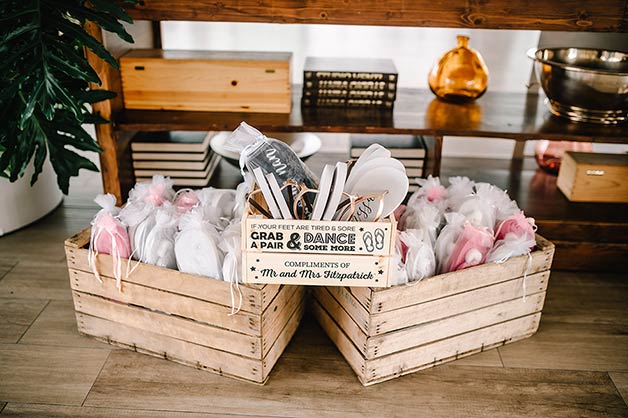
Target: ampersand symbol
{"type": "Point", "coordinates": [294, 243]}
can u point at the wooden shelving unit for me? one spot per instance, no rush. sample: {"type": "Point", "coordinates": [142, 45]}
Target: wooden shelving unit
{"type": "Point", "coordinates": [516, 116]}
{"type": "Point", "coordinates": [579, 228]}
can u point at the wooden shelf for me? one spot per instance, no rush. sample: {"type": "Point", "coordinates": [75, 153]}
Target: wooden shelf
{"type": "Point", "coordinates": [588, 236]}
{"type": "Point", "coordinates": [566, 15]}
{"type": "Point", "coordinates": [516, 116]}
{"type": "Point", "coordinates": [534, 190]}
{"type": "Point", "coordinates": [538, 196]}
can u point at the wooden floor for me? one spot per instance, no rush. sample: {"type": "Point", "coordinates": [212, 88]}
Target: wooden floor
{"type": "Point", "coordinates": [576, 365]}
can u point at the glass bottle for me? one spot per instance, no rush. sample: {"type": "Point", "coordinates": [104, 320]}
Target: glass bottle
{"type": "Point", "coordinates": [549, 154]}
{"type": "Point", "coordinates": [460, 75]}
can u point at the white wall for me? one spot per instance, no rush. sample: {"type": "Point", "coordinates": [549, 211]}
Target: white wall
{"type": "Point", "coordinates": [414, 51]}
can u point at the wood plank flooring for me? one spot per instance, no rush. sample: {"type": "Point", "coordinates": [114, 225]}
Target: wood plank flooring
{"type": "Point", "coordinates": [576, 365]}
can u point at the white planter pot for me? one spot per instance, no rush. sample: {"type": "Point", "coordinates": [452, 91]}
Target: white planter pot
{"type": "Point", "coordinates": [21, 204]}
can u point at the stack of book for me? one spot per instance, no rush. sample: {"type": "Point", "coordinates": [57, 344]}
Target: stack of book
{"type": "Point", "coordinates": [409, 149]}
{"type": "Point", "coordinates": [184, 156]}
{"type": "Point", "coordinates": [349, 82]}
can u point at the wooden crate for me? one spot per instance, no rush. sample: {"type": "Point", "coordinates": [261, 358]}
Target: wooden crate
{"type": "Point", "coordinates": [387, 333]}
{"type": "Point", "coordinates": [183, 317]}
{"type": "Point", "coordinates": [213, 81]}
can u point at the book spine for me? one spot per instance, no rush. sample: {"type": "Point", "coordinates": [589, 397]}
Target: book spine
{"type": "Point", "coordinates": [346, 102]}
{"type": "Point", "coordinates": [350, 94]}
{"type": "Point", "coordinates": [348, 76]}
{"type": "Point", "coordinates": [326, 83]}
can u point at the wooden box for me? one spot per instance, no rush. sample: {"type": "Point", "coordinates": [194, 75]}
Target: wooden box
{"type": "Point", "coordinates": [594, 177]}
{"type": "Point", "coordinates": [321, 253]}
{"type": "Point", "coordinates": [387, 333]}
{"type": "Point", "coordinates": [215, 81]}
{"type": "Point", "coordinates": [183, 317]}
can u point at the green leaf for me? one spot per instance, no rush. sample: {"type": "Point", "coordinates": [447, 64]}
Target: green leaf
{"type": "Point", "coordinates": [64, 97]}
{"type": "Point", "coordinates": [40, 158]}
{"type": "Point", "coordinates": [9, 91]}
{"type": "Point", "coordinates": [17, 32]}
{"type": "Point", "coordinates": [13, 16]}
{"type": "Point", "coordinates": [43, 83]}
{"type": "Point", "coordinates": [94, 96]}
{"type": "Point", "coordinates": [104, 21]}
{"type": "Point", "coordinates": [112, 8]}
{"type": "Point", "coordinates": [8, 62]}
{"type": "Point", "coordinates": [40, 154]}
{"type": "Point", "coordinates": [78, 138]}
{"type": "Point", "coordinates": [74, 71]}
{"type": "Point", "coordinates": [96, 119]}
{"type": "Point", "coordinates": [89, 41]}
{"type": "Point", "coordinates": [73, 57]}
{"type": "Point", "coordinates": [67, 164]}
{"type": "Point", "coordinates": [32, 101]}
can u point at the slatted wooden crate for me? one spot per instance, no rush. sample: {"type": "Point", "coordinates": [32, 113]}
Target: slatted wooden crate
{"type": "Point", "coordinates": [387, 333]}
{"type": "Point", "coordinates": [183, 317]}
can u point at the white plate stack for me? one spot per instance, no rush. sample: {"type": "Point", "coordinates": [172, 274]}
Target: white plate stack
{"type": "Point", "coordinates": [184, 156]}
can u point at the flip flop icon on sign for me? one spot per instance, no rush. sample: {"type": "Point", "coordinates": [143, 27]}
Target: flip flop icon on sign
{"type": "Point", "coordinates": [367, 237]}
{"type": "Point", "coordinates": [379, 239]}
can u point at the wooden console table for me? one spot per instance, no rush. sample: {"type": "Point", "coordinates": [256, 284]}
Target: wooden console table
{"type": "Point", "coordinates": [597, 227]}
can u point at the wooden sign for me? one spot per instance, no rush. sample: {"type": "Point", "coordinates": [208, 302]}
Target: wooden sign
{"type": "Point", "coordinates": [328, 253]}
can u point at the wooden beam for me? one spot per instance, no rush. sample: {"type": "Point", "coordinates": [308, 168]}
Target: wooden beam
{"type": "Point", "coordinates": [552, 15]}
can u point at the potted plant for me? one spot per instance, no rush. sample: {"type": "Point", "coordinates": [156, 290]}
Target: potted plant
{"type": "Point", "coordinates": [45, 98]}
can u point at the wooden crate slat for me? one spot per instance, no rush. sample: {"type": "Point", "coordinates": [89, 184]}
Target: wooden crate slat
{"type": "Point", "coordinates": [167, 302]}
{"type": "Point", "coordinates": [283, 339]}
{"type": "Point", "coordinates": [406, 361]}
{"type": "Point", "coordinates": [395, 341]}
{"type": "Point", "coordinates": [268, 292]}
{"type": "Point", "coordinates": [456, 304]}
{"type": "Point", "coordinates": [339, 338]}
{"type": "Point", "coordinates": [169, 325]}
{"type": "Point", "coordinates": [272, 314]}
{"type": "Point", "coordinates": [275, 318]}
{"type": "Point", "coordinates": [211, 290]}
{"type": "Point", "coordinates": [430, 355]}
{"type": "Point", "coordinates": [355, 310]}
{"type": "Point", "coordinates": [179, 351]}
{"type": "Point", "coordinates": [348, 325]}
{"type": "Point", "coordinates": [391, 342]}
{"type": "Point", "coordinates": [363, 295]}
{"type": "Point", "coordinates": [79, 240]}
{"type": "Point", "coordinates": [442, 285]}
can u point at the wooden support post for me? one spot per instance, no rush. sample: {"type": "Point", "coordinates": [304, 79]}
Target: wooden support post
{"type": "Point", "coordinates": [434, 145]}
{"type": "Point", "coordinates": [517, 152]}
{"type": "Point", "coordinates": [105, 134]}
{"type": "Point", "coordinates": [156, 28]}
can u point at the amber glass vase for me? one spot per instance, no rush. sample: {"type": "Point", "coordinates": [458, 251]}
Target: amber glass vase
{"type": "Point", "coordinates": [460, 75]}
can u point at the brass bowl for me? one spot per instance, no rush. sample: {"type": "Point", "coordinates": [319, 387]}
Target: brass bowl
{"type": "Point", "coordinates": [584, 85]}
